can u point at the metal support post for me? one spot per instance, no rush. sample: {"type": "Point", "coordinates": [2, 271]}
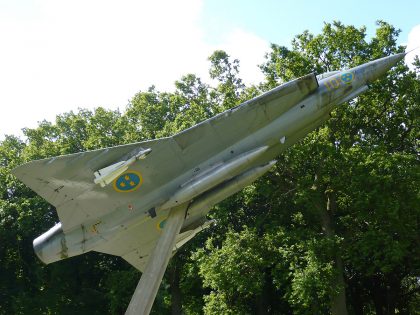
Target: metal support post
{"type": "Point", "coordinates": [148, 286]}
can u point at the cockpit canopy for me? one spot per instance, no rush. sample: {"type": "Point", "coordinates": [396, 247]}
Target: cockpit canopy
{"type": "Point", "coordinates": [326, 75]}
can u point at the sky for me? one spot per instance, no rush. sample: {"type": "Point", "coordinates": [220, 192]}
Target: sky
{"type": "Point", "coordinates": [57, 56]}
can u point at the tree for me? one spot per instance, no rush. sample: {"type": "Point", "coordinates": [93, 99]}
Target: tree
{"type": "Point", "coordinates": [379, 126]}
{"type": "Point", "coordinates": [333, 228]}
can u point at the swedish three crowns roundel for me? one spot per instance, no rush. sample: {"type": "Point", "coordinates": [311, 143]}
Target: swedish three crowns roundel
{"type": "Point", "coordinates": [347, 77]}
{"type": "Point", "coordinates": [128, 181]}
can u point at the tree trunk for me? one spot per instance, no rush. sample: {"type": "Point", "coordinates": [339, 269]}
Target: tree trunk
{"type": "Point", "coordinates": [174, 278]}
{"type": "Point", "coordinates": [262, 299]}
{"type": "Point", "coordinates": [261, 305]}
{"type": "Point", "coordinates": [338, 301]}
{"type": "Point", "coordinates": [378, 296]}
{"type": "Point", "coordinates": [385, 295]}
{"type": "Point", "coordinates": [356, 297]}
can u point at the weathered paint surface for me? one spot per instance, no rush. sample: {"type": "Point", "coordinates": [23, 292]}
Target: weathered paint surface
{"type": "Point", "coordinates": [197, 168]}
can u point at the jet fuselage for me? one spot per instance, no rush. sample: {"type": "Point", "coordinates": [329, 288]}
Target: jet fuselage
{"type": "Point", "coordinates": [217, 175]}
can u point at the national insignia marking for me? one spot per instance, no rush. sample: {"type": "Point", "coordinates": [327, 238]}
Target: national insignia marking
{"type": "Point", "coordinates": [161, 224]}
{"type": "Point", "coordinates": [347, 77]}
{"type": "Point", "coordinates": [128, 181]}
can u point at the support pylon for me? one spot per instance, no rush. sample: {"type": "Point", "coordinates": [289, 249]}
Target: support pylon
{"type": "Point", "coordinates": [148, 286]}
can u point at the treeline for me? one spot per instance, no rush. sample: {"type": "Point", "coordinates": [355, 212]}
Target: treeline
{"type": "Point", "coordinates": [332, 229]}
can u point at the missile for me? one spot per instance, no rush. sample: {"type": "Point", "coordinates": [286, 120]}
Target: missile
{"type": "Point", "coordinates": [107, 174]}
{"type": "Point", "coordinates": [208, 180]}
{"type": "Point", "coordinates": [206, 201]}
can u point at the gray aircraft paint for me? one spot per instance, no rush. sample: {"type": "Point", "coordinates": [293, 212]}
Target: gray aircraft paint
{"type": "Point", "coordinates": [199, 167]}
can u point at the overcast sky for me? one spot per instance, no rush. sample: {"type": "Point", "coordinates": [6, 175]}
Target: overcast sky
{"type": "Point", "coordinates": [57, 56]}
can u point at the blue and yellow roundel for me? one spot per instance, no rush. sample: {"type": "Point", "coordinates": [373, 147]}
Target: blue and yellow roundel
{"type": "Point", "coordinates": [347, 77]}
{"type": "Point", "coordinates": [128, 181]}
{"type": "Point", "coordinates": [161, 224]}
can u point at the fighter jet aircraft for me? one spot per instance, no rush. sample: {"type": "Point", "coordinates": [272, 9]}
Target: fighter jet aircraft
{"type": "Point", "coordinates": [143, 201]}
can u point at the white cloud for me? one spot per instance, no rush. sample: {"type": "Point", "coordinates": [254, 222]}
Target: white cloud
{"type": "Point", "coordinates": [249, 49]}
{"type": "Point", "coordinates": [413, 43]}
{"type": "Point", "coordinates": [61, 55]}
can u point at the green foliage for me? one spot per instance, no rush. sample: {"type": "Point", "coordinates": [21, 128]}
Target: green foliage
{"type": "Point", "coordinates": [337, 217]}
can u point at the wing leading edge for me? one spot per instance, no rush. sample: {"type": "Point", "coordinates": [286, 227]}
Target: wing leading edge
{"type": "Point", "coordinates": [67, 182]}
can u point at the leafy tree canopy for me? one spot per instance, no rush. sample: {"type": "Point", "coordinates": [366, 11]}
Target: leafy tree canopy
{"type": "Point", "coordinates": [333, 228]}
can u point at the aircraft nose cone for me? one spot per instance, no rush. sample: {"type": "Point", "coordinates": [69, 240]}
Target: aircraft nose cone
{"type": "Point", "coordinates": [378, 68]}
{"type": "Point", "coordinates": [392, 60]}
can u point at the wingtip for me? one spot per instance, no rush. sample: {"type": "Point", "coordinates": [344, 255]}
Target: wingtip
{"type": "Point", "coordinates": [15, 170]}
